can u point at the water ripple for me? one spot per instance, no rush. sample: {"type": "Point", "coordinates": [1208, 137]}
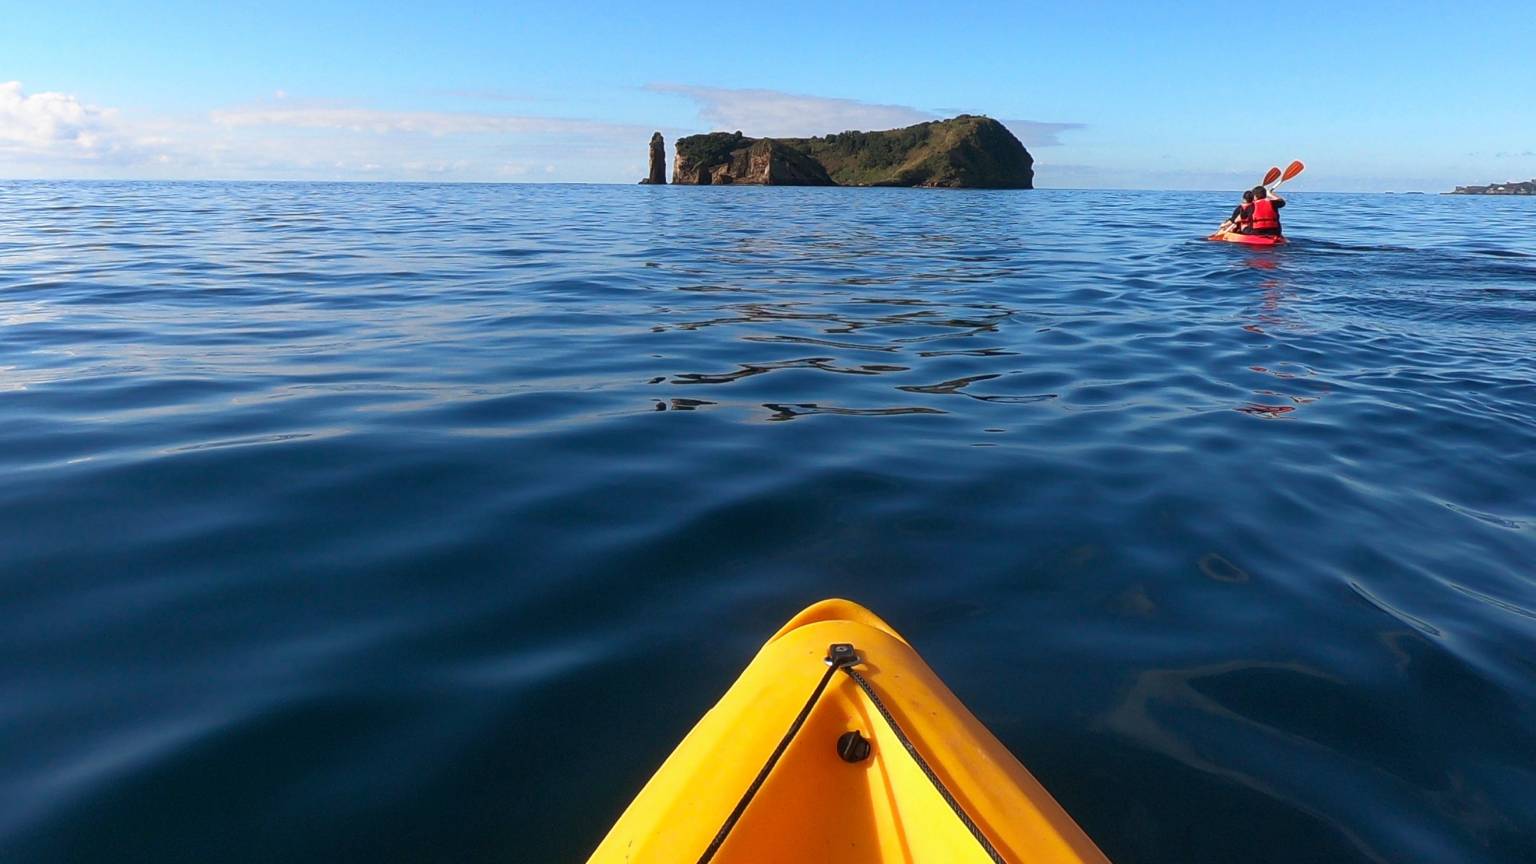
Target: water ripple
{"type": "Point", "coordinates": [364, 510]}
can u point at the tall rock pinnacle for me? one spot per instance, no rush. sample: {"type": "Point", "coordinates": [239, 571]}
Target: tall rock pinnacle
{"type": "Point", "coordinates": [658, 174]}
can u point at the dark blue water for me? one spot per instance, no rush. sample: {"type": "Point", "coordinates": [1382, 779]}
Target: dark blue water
{"type": "Point", "coordinates": [418, 523]}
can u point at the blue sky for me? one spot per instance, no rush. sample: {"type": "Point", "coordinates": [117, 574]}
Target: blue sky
{"type": "Point", "coordinates": [1374, 96]}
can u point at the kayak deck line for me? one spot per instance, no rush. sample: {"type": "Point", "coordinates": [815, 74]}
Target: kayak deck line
{"type": "Point", "coordinates": [842, 654]}
{"type": "Point", "coordinates": [882, 763]}
{"type": "Point", "coordinates": [922, 763]}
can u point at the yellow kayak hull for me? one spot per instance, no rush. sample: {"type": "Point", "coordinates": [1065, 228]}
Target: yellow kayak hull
{"type": "Point", "coordinates": [813, 804]}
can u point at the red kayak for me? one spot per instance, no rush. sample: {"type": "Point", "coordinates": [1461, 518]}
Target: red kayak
{"type": "Point", "coordinates": [1248, 239]}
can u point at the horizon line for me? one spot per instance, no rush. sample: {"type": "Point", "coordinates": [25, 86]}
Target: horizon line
{"type": "Point", "coordinates": [418, 182]}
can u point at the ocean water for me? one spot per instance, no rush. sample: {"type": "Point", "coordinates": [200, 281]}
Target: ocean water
{"type": "Point", "coordinates": [418, 523]}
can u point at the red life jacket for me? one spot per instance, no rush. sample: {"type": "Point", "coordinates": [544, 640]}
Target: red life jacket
{"type": "Point", "coordinates": [1245, 217]}
{"type": "Point", "coordinates": [1265, 216]}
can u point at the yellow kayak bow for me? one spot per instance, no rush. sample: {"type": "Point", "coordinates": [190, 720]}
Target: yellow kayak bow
{"type": "Point", "coordinates": [839, 744]}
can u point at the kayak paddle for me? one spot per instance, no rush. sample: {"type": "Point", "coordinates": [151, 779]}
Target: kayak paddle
{"type": "Point", "coordinates": [1291, 171]}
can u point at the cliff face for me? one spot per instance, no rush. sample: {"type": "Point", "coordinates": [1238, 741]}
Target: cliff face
{"type": "Point", "coordinates": [722, 158]}
{"type": "Point", "coordinates": [962, 152]}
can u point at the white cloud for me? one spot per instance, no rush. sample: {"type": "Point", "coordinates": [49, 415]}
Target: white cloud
{"type": "Point", "coordinates": [60, 135]}
{"type": "Point", "coordinates": [50, 134]}
{"type": "Point", "coordinates": [288, 139]}
{"type": "Point", "coordinates": [1036, 133]}
{"type": "Point", "coordinates": [54, 123]}
{"type": "Point", "coordinates": [375, 122]}
{"type": "Point", "coordinates": [773, 113]}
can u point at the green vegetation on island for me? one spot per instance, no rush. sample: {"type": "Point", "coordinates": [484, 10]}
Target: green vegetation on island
{"type": "Point", "coordinates": [963, 152]}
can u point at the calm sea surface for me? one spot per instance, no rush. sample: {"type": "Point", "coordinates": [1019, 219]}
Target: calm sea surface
{"type": "Point", "coordinates": [418, 523]}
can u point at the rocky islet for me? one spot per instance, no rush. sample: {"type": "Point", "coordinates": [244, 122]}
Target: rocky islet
{"type": "Point", "coordinates": [967, 151]}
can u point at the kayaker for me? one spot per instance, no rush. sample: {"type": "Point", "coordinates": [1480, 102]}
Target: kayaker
{"type": "Point", "coordinates": [1262, 216]}
{"type": "Point", "coordinates": [1235, 221]}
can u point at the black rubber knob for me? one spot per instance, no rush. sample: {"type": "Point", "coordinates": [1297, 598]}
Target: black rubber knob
{"type": "Point", "coordinates": [842, 654]}
{"type": "Point", "coordinates": [852, 747]}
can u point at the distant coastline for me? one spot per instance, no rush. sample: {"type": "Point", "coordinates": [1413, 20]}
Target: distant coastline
{"type": "Point", "coordinates": [1525, 187]}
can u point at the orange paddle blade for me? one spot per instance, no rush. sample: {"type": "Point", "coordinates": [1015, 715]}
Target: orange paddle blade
{"type": "Point", "coordinates": [1270, 176]}
{"type": "Point", "coordinates": [1292, 170]}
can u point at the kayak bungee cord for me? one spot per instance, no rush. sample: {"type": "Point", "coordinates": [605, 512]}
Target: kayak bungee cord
{"type": "Point", "coordinates": [965, 818]}
{"type": "Point", "coordinates": [843, 656]}
{"type": "Point", "coordinates": [836, 655]}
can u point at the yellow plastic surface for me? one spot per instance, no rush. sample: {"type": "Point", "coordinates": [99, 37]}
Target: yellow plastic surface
{"type": "Point", "coordinates": [815, 807]}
